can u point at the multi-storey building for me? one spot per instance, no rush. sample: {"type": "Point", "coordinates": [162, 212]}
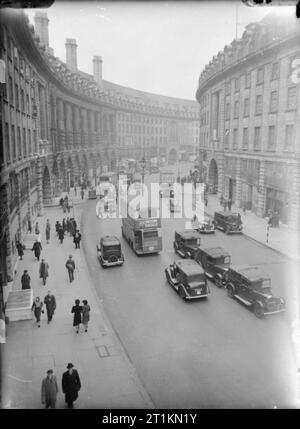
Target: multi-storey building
{"type": "Point", "coordinates": [250, 119]}
{"type": "Point", "coordinates": [60, 125]}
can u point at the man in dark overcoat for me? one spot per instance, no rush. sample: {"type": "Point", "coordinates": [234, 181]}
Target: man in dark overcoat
{"type": "Point", "coordinates": [36, 248]}
{"type": "Point", "coordinates": [71, 385]}
{"type": "Point", "coordinates": [25, 280]}
{"type": "Point", "coordinates": [50, 303]}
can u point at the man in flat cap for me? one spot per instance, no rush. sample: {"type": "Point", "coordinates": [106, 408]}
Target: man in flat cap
{"type": "Point", "coordinates": [71, 384]}
{"type": "Point", "coordinates": [49, 390]}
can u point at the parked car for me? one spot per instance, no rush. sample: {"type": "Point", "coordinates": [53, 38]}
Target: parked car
{"type": "Point", "coordinates": [252, 286]}
{"type": "Point", "coordinates": [109, 251]}
{"type": "Point", "coordinates": [188, 279]}
{"type": "Point", "coordinates": [186, 243]}
{"type": "Point", "coordinates": [204, 226]}
{"type": "Point", "coordinates": [215, 262]}
{"type": "Point", "coordinates": [229, 222]}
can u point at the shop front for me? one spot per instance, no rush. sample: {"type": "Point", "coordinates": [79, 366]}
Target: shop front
{"type": "Point", "coordinates": [249, 184]}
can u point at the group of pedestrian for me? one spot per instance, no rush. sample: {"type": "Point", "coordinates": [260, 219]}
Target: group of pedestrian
{"type": "Point", "coordinates": [226, 203]}
{"type": "Point", "coordinates": [37, 307]}
{"type": "Point", "coordinates": [70, 226]}
{"type": "Point", "coordinates": [71, 385]}
{"type": "Point", "coordinates": [65, 205]}
{"type": "Point", "coordinates": [81, 315]}
{"type": "Point", "coordinates": [273, 219]}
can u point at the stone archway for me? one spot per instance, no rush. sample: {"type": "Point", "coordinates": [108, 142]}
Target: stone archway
{"type": "Point", "coordinates": [213, 176]}
{"type": "Point", "coordinates": [47, 191]}
{"type": "Point", "coordinates": [172, 159]}
{"type": "Point", "coordinates": [63, 175]}
{"type": "Point", "coordinates": [55, 179]}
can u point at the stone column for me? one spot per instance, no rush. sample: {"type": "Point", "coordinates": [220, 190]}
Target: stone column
{"type": "Point", "coordinates": [18, 192]}
{"type": "Point", "coordinates": [221, 176]}
{"type": "Point", "coordinates": [28, 194]}
{"type": "Point", "coordinates": [238, 192]}
{"type": "Point", "coordinates": [61, 125]}
{"type": "Point", "coordinates": [39, 187]}
{"type": "Point", "coordinates": [69, 141]}
{"type": "Point", "coordinates": [261, 190]}
{"type": "Point", "coordinates": [76, 127]}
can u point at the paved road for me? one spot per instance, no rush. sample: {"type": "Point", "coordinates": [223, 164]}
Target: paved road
{"type": "Point", "coordinates": [213, 353]}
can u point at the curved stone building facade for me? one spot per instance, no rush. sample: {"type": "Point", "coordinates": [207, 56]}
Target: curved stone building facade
{"type": "Point", "coordinates": [250, 119]}
{"type": "Point", "coordinates": [61, 126]}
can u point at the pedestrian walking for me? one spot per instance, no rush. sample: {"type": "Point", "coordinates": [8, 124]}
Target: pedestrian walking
{"type": "Point", "coordinates": [50, 303]}
{"type": "Point", "coordinates": [57, 226]}
{"type": "Point", "coordinates": [276, 219]}
{"type": "Point", "coordinates": [222, 201]}
{"type": "Point", "coordinates": [75, 189]}
{"type": "Point", "coordinates": [77, 319]}
{"type": "Point", "coordinates": [37, 228]}
{"type": "Point", "coordinates": [72, 229]}
{"type": "Point", "coordinates": [37, 248]}
{"type": "Point", "coordinates": [48, 229]}
{"type": "Point", "coordinates": [77, 239]}
{"type": "Point", "coordinates": [85, 314]}
{"type": "Point", "coordinates": [37, 308]}
{"type": "Point", "coordinates": [64, 224]}
{"type": "Point", "coordinates": [64, 206]}
{"type": "Point", "coordinates": [70, 265]}
{"type": "Point", "coordinates": [68, 207]}
{"type": "Point", "coordinates": [229, 202]}
{"type": "Point", "coordinates": [49, 390]}
{"type": "Point", "coordinates": [61, 234]}
{"type": "Point", "coordinates": [71, 385]}
{"type": "Point", "coordinates": [20, 249]}
{"type": "Point", "coordinates": [225, 202]}
{"type": "Point", "coordinates": [25, 280]}
{"type": "Point", "coordinates": [82, 193]}
{"type": "Point", "coordinates": [67, 225]}
{"type": "Point", "coordinates": [29, 226]}
{"type": "Point", "coordinates": [44, 271]}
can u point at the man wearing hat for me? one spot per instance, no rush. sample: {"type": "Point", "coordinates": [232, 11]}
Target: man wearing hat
{"type": "Point", "coordinates": [71, 384]}
{"type": "Point", "coordinates": [49, 390]}
{"type": "Point", "coordinates": [70, 265]}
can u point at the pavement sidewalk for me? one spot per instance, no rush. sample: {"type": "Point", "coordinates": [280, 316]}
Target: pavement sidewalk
{"type": "Point", "coordinates": [107, 376]}
{"type": "Point", "coordinates": [282, 239]}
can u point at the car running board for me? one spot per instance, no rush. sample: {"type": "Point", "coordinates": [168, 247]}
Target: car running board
{"type": "Point", "coordinates": [243, 300]}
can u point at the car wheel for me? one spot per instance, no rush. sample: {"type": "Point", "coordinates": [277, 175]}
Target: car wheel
{"type": "Point", "coordinates": [230, 291]}
{"type": "Point", "coordinates": [258, 310]}
{"type": "Point", "coordinates": [181, 293]}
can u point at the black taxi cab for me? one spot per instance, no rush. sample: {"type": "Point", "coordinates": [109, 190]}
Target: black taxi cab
{"type": "Point", "coordinates": [109, 251]}
{"type": "Point", "coordinates": [187, 242]}
{"type": "Point", "coordinates": [252, 286]}
{"type": "Point", "coordinates": [188, 279]}
{"type": "Point", "coordinates": [215, 262]}
{"type": "Point", "coordinates": [228, 222]}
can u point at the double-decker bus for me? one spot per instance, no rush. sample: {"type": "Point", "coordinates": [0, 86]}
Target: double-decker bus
{"type": "Point", "coordinates": [142, 234]}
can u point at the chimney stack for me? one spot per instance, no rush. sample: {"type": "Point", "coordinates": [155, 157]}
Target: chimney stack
{"type": "Point", "coordinates": [71, 54]}
{"type": "Point", "coordinates": [97, 62]}
{"type": "Point", "coordinates": [41, 27]}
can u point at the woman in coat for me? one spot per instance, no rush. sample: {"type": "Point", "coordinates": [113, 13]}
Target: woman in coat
{"type": "Point", "coordinates": [61, 234]}
{"type": "Point", "coordinates": [25, 280]}
{"type": "Point", "coordinates": [20, 249]}
{"type": "Point", "coordinates": [37, 308]}
{"type": "Point", "coordinates": [48, 228]}
{"type": "Point", "coordinates": [71, 384]}
{"type": "Point", "coordinates": [77, 310]}
{"type": "Point", "coordinates": [37, 228]}
{"type": "Point", "coordinates": [85, 314]}
{"type": "Point", "coordinates": [36, 248]}
{"type": "Point", "coordinates": [44, 271]}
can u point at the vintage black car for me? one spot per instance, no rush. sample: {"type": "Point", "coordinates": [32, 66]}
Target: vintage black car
{"type": "Point", "coordinates": [215, 262]}
{"type": "Point", "coordinates": [228, 222]}
{"type": "Point", "coordinates": [188, 279]}
{"type": "Point", "coordinates": [252, 286]}
{"type": "Point", "coordinates": [204, 226]}
{"type": "Point", "coordinates": [186, 243]}
{"type": "Point", "coordinates": [109, 251]}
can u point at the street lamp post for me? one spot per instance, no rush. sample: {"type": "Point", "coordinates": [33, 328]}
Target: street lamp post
{"type": "Point", "coordinates": [143, 164]}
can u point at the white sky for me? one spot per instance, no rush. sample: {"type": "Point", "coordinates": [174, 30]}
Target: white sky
{"type": "Point", "coordinates": [158, 47]}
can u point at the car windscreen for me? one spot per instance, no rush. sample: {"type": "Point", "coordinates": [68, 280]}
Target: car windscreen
{"type": "Point", "coordinates": [226, 260]}
{"type": "Point", "coordinates": [233, 219]}
{"type": "Point", "coordinates": [195, 279]}
{"type": "Point", "coordinates": [192, 241]}
{"type": "Point", "coordinates": [264, 284]}
{"type": "Point", "coordinates": [111, 247]}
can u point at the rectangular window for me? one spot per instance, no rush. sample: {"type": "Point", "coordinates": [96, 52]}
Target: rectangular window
{"type": "Point", "coordinates": [227, 87]}
{"type": "Point", "coordinates": [275, 71]}
{"type": "Point", "coordinates": [235, 139]}
{"type": "Point", "coordinates": [245, 138]}
{"type": "Point", "coordinates": [271, 138]}
{"type": "Point", "coordinates": [10, 90]}
{"type": "Point", "coordinates": [22, 101]}
{"type": "Point", "coordinates": [227, 111]}
{"type": "Point", "coordinates": [17, 105]}
{"type": "Point", "coordinates": [289, 138]}
{"type": "Point", "coordinates": [6, 142]}
{"type": "Point", "coordinates": [226, 140]}
{"type": "Point", "coordinates": [246, 107]}
{"type": "Point", "coordinates": [29, 142]}
{"type": "Point", "coordinates": [13, 142]}
{"type": "Point", "coordinates": [248, 80]}
{"type": "Point", "coordinates": [258, 105]}
{"type": "Point", "coordinates": [273, 101]}
{"type": "Point", "coordinates": [236, 84]}
{"type": "Point", "coordinates": [257, 138]}
{"type": "Point", "coordinates": [24, 143]}
{"type": "Point", "coordinates": [19, 148]}
{"type": "Point", "coordinates": [236, 109]}
{"type": "Point", "coordinates": [260, 76]}
{"type": "Point", "coordinates": [292, 98]}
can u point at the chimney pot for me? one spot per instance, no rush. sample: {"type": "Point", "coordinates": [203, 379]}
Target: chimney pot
{"type": "Point", "coordinates": [71, 54]}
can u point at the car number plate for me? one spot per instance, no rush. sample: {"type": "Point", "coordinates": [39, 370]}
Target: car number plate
{"type": "Point", "coordinates": [151, 248]}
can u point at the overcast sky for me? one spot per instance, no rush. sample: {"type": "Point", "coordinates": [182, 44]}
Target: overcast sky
{"type": "Point", "coordinates": [160, 47]}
